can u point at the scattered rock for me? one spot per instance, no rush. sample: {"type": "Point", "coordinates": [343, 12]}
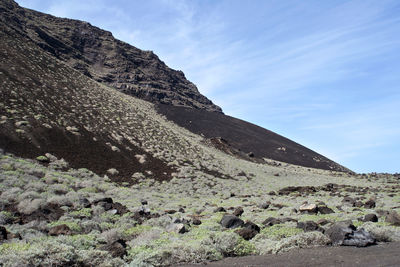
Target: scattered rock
{"type": "Point", "coordinates": [370, 218]}
{"type": "Point", "coordinates": [61, 229]}
{"type": "Point", "coordinates": [231, 221]}
{"type": "Point", "coordinates": [178, 228]}
{"type": "Point", "coordinates": [3, 233]}
{"type": "Point", "coordinates": [84, 202]}
{"type": "Point", "coordinates": [393, 218]}
{"type": "Point", "coordinates": [349, 201]}
{"type": "Point", "coordinates": [196, 221]}
{"type": "Point", "coordinates": [246, 233]}
{"type": "Point", "coordinates": [121, 209]}
{"type": "Point", "coordinates": [309, 226]}
{"type": "Point", "coordinates": [170, 211]}
{"type": "Point", "coordinates": [264, 206]}
{"type": "Point", "coordinates": [116, 248]}
{"type": "Point", "coordinates": [325, 210]}
{"type": "Point", "coordinates": [238, 211]}
{"type": "Point", "coordinates": [358, 204]}
{"type": "Point", "coordinates": [346, 234]}
{"type": "Point", "coordinates": [144, 202]}
{"type": "Point", "coordinates": [370, 204]}
{"type": "Point", "coordinates": [299, 189]}
{"type": "Point", "coordinates": [252, 226]}
{"type": "Point", "coordinates": [309, 208]}
{"type": "Point", "coordinates": [220, 209]}
{"type": "Point", "coordinates": [272, 221]}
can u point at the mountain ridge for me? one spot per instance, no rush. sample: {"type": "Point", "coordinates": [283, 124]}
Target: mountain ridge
{"type": "Point", "coordinates": [97, 55]}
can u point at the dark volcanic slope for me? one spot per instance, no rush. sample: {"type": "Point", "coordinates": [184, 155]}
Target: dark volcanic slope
{"type": "Point", "coordinates": [97, 54]}
{"type": "Point", "coordinates": [46, 106]}
{"type": "Point", "coordinates": [247, 137]}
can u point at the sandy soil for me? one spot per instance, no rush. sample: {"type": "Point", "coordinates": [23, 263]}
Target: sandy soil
{"type": "Point", "coordinates": [387, 254]}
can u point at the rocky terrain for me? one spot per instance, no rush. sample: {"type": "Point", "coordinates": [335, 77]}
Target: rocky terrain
{"type": "Point", "coordinates": [96, 54]}
{"type": "Point", "coordinates": [90, 175]}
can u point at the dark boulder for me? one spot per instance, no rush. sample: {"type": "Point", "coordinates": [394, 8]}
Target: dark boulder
{"type": "Point", "coordinates": [346, 234]}
{"type": "Point", "coordinates": [325, 210]}
{"type": "Point", "coordinates": [252, 226]}
{"type": "Point", "coordinates": [231, 221]}
{"type": "Point", "coordinates": [309, 226]}
{"type": "Point", "coordinates": [246, 233]}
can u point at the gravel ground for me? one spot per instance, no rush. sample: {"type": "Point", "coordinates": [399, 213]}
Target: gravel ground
{"type": "Point", "coordinates": [387, 254]}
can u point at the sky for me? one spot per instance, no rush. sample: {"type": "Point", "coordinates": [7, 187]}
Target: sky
{"type": "Point", "coordinates": [325, 74]}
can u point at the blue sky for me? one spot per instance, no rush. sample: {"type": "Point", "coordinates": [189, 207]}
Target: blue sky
{"type": "Point", "coordinates": [325, 74]}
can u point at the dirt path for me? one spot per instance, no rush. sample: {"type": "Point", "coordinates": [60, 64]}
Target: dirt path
{"type": "Point", "coordinates": [387, 254]}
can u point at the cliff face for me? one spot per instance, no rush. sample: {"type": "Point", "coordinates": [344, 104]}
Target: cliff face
{"type": "Point", "coordinates": [97, 54]}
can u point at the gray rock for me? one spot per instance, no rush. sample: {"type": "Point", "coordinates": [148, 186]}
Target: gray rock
{"type": "Point", "coordinates": [178, 228]}
{"type": "Point", "coordinates": [346, 234]}
{"type": "Point", "coordinates": [325, 210]}
{"type": "Point", "coordinates": [231, 221]}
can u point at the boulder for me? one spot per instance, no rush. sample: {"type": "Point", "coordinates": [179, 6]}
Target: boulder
{"type": "Point", "coordinates": [309, 208]}
{"type": "Point", "coordinates": [346, 234]}
{"type": "Point", "coordinates": [325, 210]}
{"type": "Point", "coordinates": [246, 233]}
{"type": "Point", "coordinates": [61, 229]}
{"type": "Point", "coordinates": [252, 226]}
{"type": "Point", "coordinates": [231, 221]}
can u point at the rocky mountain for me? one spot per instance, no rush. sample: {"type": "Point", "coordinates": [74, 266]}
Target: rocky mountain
{"type": "Point", "coordinates": [101, 58]}
{"type": "Point", "coordinates": [90, 175]}
{"type": "Point", "coordinates": [98, 55]}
